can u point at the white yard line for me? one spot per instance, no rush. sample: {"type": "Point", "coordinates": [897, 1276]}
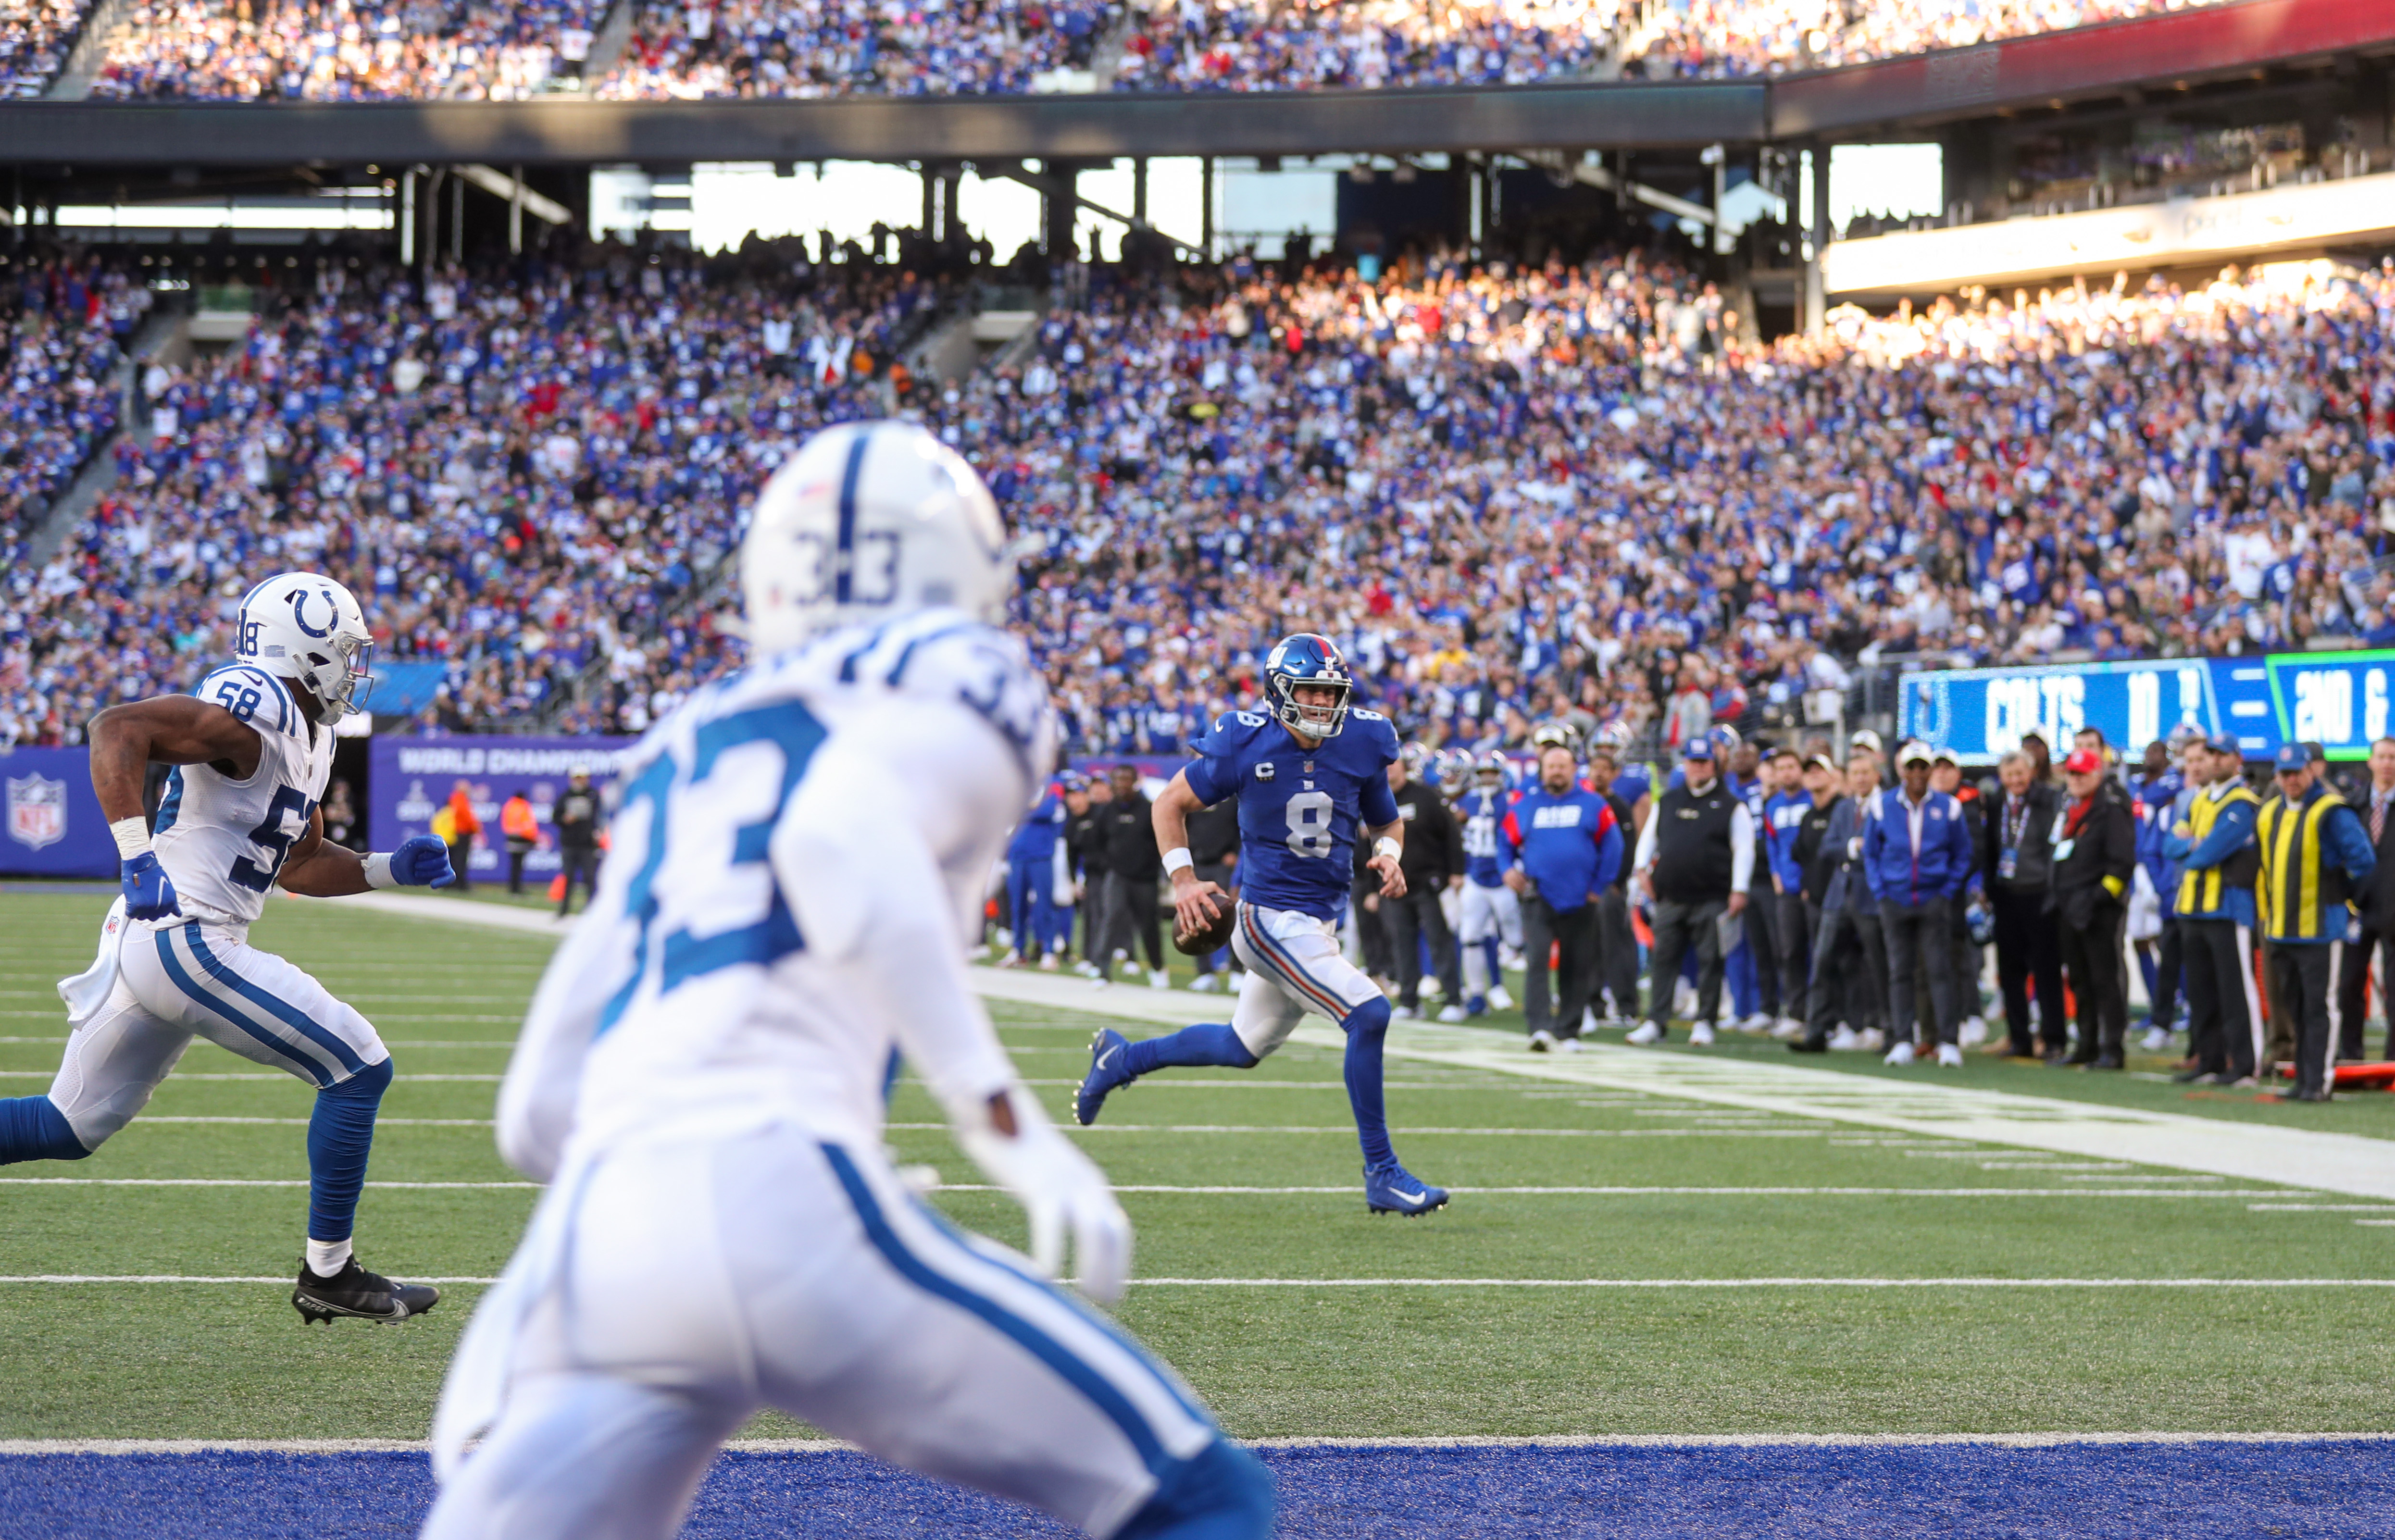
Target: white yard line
{"type": "Point", "coordinates": [1766, 1282]}
{"type": "Point", "coordinates": [231, 1182]}
{"type": "Point", "coordinates": [1710, 1191]}
{"type": "Point", "coordinates": [1468, 1283]}
{"type": "Point", "coordinates": [2251, 1151]}
{"type": "Point", "coordinates": [402, 1079]}
{"type": "Point", "coordinates": [44, 1447]}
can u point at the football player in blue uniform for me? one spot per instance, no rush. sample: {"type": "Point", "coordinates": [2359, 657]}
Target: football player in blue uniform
{"type": "Point", "coordinates": [1492, 914]}
{"type": "Point", "coordinates": [1309, 772]}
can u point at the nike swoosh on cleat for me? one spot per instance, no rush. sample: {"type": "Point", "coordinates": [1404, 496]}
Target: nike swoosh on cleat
{"type": "Point", "coordinates": [1103, 1056]}
{"type": "Point", "coordinates": [1413, 1197]}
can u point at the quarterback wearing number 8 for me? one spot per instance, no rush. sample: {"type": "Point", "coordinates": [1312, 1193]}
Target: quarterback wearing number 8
{"type": "Point", "coordinates": [252, 749]}
{"type": "Point", "coordinates": [1310, 772]}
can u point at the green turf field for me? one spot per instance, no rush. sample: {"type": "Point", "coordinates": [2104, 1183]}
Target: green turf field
{"type": "Point", "coordinates": [221, 1361]}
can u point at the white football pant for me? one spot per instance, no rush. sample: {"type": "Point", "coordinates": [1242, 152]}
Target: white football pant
{"type": "Point", "coordinates": [184, 980]}
{"type": "Point", "coordinates": [1294, 965]}
{"type": "Point", "coordinates": [669, 1289]}
{"type": "Point", "coordinates": [1486, 912]}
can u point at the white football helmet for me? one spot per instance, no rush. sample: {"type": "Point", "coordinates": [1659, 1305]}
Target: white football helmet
{"type": "Point", "coordinates": [302, 627]}
{"type": "Point", "coordinates": [868, 521]}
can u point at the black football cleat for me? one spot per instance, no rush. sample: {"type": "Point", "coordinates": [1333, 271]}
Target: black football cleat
{"type": "Point", "coordinates": [353, 1294]}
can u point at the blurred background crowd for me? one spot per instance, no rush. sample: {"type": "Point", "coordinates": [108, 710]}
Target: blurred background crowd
{"type": "Point", "coordinates": [508, 49]}
{"type": "Point", "coordinates": [1512, 494]}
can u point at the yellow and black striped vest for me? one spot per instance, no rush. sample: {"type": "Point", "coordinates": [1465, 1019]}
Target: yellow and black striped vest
{"type": "Point", "coordinates": [2200, 891]}
{"type": "Point", "coordinates": [2302, 897]}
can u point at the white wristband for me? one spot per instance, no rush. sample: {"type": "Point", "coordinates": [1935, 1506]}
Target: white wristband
{"type": "Point", "coordinates": [1388, 846]}
{"type": "Point", "coordinates": [1177, 860]}
{"type": "Point", "coordinates": [132, 837]}
{"type": "Point", "coordinates": [378, 872]}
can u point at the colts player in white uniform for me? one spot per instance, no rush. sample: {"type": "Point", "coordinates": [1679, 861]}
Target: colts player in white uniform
{"type": "Point", "coordinates": [253, 748]}
{"type": "Point", "coordinates": [795, 868]}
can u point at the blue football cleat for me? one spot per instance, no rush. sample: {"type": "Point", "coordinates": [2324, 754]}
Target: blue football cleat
{"type": "Point", "coordinates": [1476, 1005]}
{"type": "Point", "coordinates": [1107, 1051]}
{"type": "Point", "coordinates": [1390, 1189]}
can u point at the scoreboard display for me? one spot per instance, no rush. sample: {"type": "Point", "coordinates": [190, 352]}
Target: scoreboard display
{"type": "Point", "coordinates": [2342, 700]}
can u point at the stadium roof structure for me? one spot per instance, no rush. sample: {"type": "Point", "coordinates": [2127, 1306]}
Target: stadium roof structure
{"type": "Point", "coordinates": [2049, 73]}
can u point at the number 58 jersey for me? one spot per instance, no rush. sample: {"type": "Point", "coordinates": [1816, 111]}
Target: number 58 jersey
{"type": "Point", "coordinates": [223, 841]}
{"type": "Point", "coordinates": [1300, 808]}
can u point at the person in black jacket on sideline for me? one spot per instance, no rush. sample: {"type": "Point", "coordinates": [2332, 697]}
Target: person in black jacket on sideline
{"type": "Point", "coordinates": [2095, 851]}
{"type": "Point", "coordinates": [2017, 849]}
{"type": "Point", "coordinates": [1433, 862]}
{"type": "Point", "coordinates": [1085, 848]}
{"type": "Point", "coordinates": [1133, 868]}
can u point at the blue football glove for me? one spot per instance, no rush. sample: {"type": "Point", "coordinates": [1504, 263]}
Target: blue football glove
{"type": "Point", "coordinates": [148, 893]}
{"type": "Point", "coordinates": [422, 860]}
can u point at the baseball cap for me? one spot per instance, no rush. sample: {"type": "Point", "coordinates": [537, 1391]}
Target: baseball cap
{"type": "Point", "coordinates": [1822, 761]}
{"type": "Point", "coordinates": [2225, 742]}
{"type": "Point", "coordinates": [1915, 753]}
{"type": "Point", "coordinates": [1697, 748]}
{"type": "Point", "coordinates": [2315, 753]}
{"type": "Point", "coordinates": [1945, 757]}
{"type": "Point", "coordinates": [1866, 738]}
{"type": "Point", "coordinates": [2291, 757]}
{"type": "Point", "coordinates": [2085, 761]}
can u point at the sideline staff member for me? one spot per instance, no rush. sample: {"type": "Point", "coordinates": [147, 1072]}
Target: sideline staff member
{"type": "Point", "coordinates": [2314, 853]}
{"type": "Point", "coordinates": [2214, 846]}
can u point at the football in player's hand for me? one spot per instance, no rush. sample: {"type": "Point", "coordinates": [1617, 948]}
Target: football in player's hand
{"type": "Point", "coordinates": [1216, 934]}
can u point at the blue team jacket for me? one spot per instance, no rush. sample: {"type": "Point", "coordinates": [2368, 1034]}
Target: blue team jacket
{"type": "Point", "coordinates": [1897, 873]}
{"type": "Point", "coordinates": [1569, 846]}
{"type": "Point", "coordinates": [1775, 830]}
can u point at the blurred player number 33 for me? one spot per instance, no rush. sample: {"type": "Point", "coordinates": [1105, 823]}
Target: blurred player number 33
{"type": "Point", "coordinates": [37, 810]}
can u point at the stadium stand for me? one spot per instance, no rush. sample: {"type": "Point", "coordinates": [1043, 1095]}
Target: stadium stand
{"type": "Point", "coordinates": [341, 51]}
{"type": "Point", "coordinates": [774, 48]}
{"type": "Point", "coordinates": [518, 478]}
{"type": "Point", "coordinates": [34, 38]}
{"type": "Point", "coordinates": [1511, 495]}
{"type": "Point", "coordinates": [511, 49]}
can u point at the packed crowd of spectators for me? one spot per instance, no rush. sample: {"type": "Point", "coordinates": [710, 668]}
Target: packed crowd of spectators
{"type": "Point", "coordinates": [348, 50]}
{"type": "Point", "coordinates": [1579, 492]}
{"type": "Point", "coordinates": [846, 47]}
{"type": "Point", "coordinates": [1714, 38]}
{"type": "Point", "coordinates": [34, 38]}
{"type": "Point", "coordinates": [61, 329]}
{"type": "Point", "coordinates": [523, 477]}
{"type": "Point", "coordinates": [340, 50]}
{"type": "Point", "coordinates": [1196, 46]}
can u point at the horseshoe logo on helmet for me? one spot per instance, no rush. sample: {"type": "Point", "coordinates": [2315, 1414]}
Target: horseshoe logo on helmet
{"type": "Point", "coordinates": [299, 612]}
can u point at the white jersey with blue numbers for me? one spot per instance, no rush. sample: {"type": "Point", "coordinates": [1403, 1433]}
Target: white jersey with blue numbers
{"type": "Point", "coordinates": [1480, 810]}
{"type": "Point", "coordinates": [1298, 807]}
{"type": "Point", "coordinates": [692, 986]}
{"type": "Point", "coordinates": [223, 841]}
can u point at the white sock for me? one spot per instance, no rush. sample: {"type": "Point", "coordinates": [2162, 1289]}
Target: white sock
{"type": "Point", "coordinates": [1475, 969]}
{"type": "Point", "coordinates": [328, 1258]}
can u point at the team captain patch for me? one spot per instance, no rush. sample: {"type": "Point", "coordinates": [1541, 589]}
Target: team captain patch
{"type": "Point", "coordinates": [1263, 770]}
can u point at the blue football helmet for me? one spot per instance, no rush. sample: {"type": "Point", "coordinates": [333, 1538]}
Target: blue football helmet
{"type": "Point", "coordinates": [1307, 659]}
{"type": "Point", "coordinates": [1493, 771]}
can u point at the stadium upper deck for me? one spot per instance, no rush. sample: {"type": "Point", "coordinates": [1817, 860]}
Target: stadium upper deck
{"type": "Point", "coordinates": [348, 50]}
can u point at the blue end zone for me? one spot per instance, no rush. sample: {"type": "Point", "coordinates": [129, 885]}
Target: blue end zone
{"type": "Point", "coordinates": [2316, 1491]}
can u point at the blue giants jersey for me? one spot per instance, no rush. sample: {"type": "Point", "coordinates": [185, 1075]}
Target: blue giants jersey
{"type": "Point", "coordinates": [1482, 808]}
{"type": "Point", "coordinates": [1298, 807]}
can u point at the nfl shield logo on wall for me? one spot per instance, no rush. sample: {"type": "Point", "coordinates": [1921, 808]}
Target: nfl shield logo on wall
{"type": "Point", "coordinates": [37, 812]}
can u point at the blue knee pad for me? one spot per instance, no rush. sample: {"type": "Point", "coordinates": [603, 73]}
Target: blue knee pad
{"type": "Point", "coordinates": [1221, 1493]}
{"type": "Point", "coordinates": [31, 1128]}
{"type": "Point", "coordinates": [340, 1136]}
